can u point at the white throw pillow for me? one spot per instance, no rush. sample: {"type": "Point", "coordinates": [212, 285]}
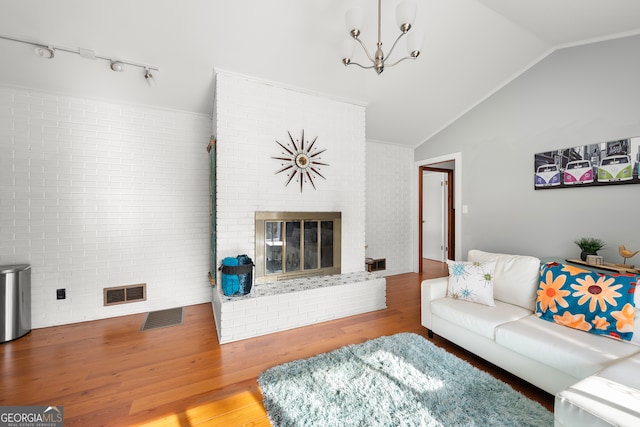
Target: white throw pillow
{"type": "Point", "coordinates": [516, 279]}
{"type": "Point", "coordinates": [471, 281]}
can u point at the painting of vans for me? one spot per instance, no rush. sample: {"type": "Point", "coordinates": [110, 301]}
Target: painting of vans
{"type": "Point", "coordinates": [591, 164]}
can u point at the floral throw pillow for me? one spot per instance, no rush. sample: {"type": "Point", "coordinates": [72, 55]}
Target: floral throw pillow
{"type": "Point", "coordinates": [471, 281]}
{"type": "Point", "coordinates": [602, 304]}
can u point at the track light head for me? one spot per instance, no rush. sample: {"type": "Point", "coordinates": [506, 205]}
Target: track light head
{"type": "Point", "coordinates": [117, 66]}
{"type": "Point", "coordinates": [149, 77]}
{"type": "Point", "coordinates": [44, 52]}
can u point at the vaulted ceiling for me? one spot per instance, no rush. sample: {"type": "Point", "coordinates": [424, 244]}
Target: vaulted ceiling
{"type": "Point", "coordinates": [471, 48]}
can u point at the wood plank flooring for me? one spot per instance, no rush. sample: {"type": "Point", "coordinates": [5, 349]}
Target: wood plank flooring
{"type": "Point", "coordinates": [108, 373]}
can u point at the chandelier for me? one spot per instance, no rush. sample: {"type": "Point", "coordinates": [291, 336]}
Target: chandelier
{"type": "Point", "coordinates": [405, 15]}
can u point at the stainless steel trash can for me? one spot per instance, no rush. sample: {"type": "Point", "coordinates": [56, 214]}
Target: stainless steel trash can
{"type": "Point", "coordinates": [15, 301]}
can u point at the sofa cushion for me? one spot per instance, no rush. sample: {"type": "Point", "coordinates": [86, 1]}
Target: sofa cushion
{"type": "Point", "coordinates": [625, 372]}
{"type": "Point", "coordinates": [471, 281]}
{"type": "Point", "coordinates": [568, 350]}
{"type": "Point", "coordinates": [516, 277]}
{"type": "Point", "coordinates": [480, 319]}
{"type": "Point", "coordinates": [598, 402]}
{"type": "Point", "coordinates": [598, 303]}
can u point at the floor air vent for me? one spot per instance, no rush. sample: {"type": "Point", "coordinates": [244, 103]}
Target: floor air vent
{"type": "Point", "coordinates": [162, 319]}
{"type": "Point", "coordinates": [125, 294]}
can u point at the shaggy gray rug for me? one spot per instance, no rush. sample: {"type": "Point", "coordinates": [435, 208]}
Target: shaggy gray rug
{"type": "Point", "coordinates": [400, 380]}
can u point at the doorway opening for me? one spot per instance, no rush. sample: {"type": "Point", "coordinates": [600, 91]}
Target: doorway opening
{"type": "Point", "coordinates": [439, 220]}
{"type": "Point", "coordinates": [437, 227]}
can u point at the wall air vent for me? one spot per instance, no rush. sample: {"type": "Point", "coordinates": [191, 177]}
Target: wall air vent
{"type": "Point", "coordinates": [125, 294]}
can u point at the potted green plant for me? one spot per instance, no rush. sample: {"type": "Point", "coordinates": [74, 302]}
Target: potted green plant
{"type": "Point", "coordinates": [589, 246]}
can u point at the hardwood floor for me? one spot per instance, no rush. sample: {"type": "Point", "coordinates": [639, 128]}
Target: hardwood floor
{"type": "Point", "coordinates": [107, 372]}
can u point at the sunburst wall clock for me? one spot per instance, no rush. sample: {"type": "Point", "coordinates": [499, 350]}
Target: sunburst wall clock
{"type": "Point", "coordinates": [301, 161]}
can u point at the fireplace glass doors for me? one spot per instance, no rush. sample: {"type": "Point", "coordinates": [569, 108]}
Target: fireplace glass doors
{"type": "Point", "coordinates": [294, 244]}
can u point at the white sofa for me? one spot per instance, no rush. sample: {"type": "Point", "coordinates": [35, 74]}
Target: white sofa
{"type": "Point", "coordinates": [509, 335]}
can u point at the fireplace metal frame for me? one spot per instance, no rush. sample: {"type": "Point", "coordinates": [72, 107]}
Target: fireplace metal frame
{"type": "Point", "coordinates": [262, 217]}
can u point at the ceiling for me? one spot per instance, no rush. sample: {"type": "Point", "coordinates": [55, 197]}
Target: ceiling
{"type": "Point", "coordinates": [471, 49]}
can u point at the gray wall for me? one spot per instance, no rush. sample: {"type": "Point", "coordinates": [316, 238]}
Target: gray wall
{"type": "Point", "coordinates": [579, 95]}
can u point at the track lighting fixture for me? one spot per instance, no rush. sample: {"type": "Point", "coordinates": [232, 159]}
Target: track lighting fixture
{"type": "Point", "coordinates": [44, 52]}
{"type": "Point", "coordinates": [149, 77]}
{"type": "Point", "coordinates": [48, 51]}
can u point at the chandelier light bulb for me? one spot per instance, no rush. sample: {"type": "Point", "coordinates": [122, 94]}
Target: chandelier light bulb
{"type": "Point", "coordinates": [415, 40]}
{"type": "Point", "coordinates": [353, 20]}
{"type": "Point", "coordinates": [406, 14]}
{"type": "Point", "coordinates": [348, 46]}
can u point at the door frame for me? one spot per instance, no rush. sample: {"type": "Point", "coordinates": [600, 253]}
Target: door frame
{"type": "Point", "coordinates": [450, 211]}
{"type": "Point", "coordinates": [416, 223]}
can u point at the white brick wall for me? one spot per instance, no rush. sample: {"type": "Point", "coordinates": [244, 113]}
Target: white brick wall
{"type": "Point", "coordinates": [250, 116]}
{"type": "Point", "coordinates": [390, 169]}
{"type": "Point", "coordinates": [94, 194]}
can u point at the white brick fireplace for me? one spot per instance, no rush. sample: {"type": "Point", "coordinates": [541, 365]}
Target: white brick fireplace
{"type": "Point", "coordinates": [249, 117]}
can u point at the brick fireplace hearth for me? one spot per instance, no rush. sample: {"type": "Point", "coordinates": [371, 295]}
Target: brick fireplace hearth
{"type": "Point", "coordinates": [287, 304]}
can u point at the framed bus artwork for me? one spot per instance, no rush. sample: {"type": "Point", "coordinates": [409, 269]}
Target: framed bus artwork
{"type": "Point", "coordinates": [606, 163]}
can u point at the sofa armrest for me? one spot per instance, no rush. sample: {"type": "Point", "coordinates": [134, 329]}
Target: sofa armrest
{"type": "Point", "coordinates": [431, 289]}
